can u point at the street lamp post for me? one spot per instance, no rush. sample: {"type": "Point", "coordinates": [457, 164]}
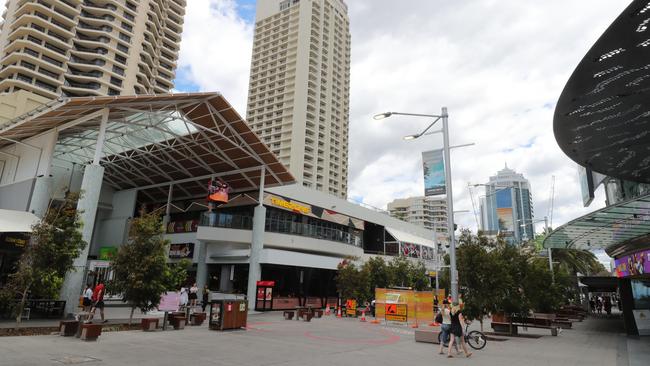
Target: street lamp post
{"type": "Point", "coordinates": [550, 252]}
{"type": "Point", "coordinates": [450, 205]}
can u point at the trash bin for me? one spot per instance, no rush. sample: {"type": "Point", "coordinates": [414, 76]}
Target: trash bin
{"type": "Point", "coordinates": [228, 314]}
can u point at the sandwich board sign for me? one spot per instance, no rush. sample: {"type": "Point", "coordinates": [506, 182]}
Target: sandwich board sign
{"type": "Point", "coordinates": [396, 313]}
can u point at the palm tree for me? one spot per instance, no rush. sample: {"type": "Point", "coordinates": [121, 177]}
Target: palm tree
{"type": "Point", "coordinates": [578, 261]}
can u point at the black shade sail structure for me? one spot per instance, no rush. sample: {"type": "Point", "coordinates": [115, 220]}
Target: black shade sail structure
{"type": "Point", "coordinates": [602, 119]}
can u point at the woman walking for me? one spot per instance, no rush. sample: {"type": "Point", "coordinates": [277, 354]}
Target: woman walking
{"type": "Point", "coordinates": [445, 328]}
{"type": "Point", "coordinates": [457, 330]}
{"type": "Point", "coordinates": [194, 290]}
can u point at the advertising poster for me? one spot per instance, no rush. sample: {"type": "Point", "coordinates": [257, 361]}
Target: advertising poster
{"type": "Point", "coordinates": [434, 172]}
{"type": "Point", "coordinates": [633, 264]}
{"type": "Point", "coordinates": [505, 217]}
{"type": "Point", "coordinates": [419, 304]}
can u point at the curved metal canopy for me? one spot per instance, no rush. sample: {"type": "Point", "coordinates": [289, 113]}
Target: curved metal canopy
{"type": "Point", "coordinates": [610, 228]}
{"type": "Point", "coordinates": [602, 119]}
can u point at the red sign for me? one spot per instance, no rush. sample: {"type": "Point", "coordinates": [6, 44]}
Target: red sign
{"type": "Point", "coordinates": [266, 283]}
{"type": "Point", "coordinates": [218, 191]}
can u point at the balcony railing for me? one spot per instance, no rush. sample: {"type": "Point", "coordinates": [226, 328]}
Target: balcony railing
{"type": "Point", "coordinates": [281, 226]}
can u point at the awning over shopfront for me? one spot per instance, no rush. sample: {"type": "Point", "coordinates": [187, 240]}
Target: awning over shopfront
{"type": "Point", "coordinates": [17, 221]}
{"type": "Point", "coordinates": [404, 237]}
{"type": "Point", "coordinates": [609, 228]}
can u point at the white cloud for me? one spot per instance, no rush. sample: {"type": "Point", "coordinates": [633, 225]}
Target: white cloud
{"type": "Point", "coordinates": [498, 65]}
{"type": "Point", "coordinates": [216, 50]}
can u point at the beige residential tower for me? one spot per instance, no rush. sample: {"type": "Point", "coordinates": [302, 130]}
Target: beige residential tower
{"type": "Point", "coordinates": [56, 48]}
{"type": "Point", "coordinates": [298, 101]}
{"type": "Point", "coordinates": [428, 212]}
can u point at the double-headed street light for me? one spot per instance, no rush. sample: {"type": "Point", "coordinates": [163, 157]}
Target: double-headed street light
{"type": "Point", "coordinates": [450, 205]}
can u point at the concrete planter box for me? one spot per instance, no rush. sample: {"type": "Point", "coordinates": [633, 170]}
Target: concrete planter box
{"type": "Point", "coordinates": [68, 328]}
{"type": "Point", "coordinates": [178, 322]}
{"type": "Point", "coordinates": [90, 332]}
{"type": "Point", "coordinates": [149, 324]}
{"type": "Point", "coordinates": [197, 318]}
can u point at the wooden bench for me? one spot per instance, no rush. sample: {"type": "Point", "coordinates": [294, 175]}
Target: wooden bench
{"type": "Point", "coordinates": [427, 336]}
{"type": "Point", "coordinates": [505, 328]}
{"type": "Point", "coordinates": [178, 322]}
{"type": "Point", "coordinates": [512, 328]}
{"type": "Point", "coordinates": [288, 314]}
{"type": "Point", "coordinates": [318, 313]}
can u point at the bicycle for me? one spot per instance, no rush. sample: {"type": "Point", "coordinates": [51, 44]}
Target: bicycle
{"type": "Point", "coordinates": [475, 339]}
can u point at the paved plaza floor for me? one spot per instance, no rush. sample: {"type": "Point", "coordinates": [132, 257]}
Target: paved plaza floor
{"type": "Point", "coordinates": [271, 340]}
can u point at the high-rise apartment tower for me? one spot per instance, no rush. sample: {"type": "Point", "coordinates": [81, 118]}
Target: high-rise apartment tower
{"type": "Point", "coordinates": [74, 48]}
{"type": "Point", "coordinates": [428, 212]}
{"type": "Point", "coordinates": [298, 99]}
{"type": "Point", "coordinates": [507, 207]}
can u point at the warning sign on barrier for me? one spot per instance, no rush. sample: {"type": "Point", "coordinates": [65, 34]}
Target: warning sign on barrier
{"type": "Point", "coordinates": [396, 312]}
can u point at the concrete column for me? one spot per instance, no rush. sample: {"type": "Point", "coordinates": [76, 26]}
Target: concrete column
{"type": "Point", "coordinates": [87, 205]}
{"type": "Point", "coordinates": [201, 267]}
{"type": "Point", "coordinates": [254, 269]}
{"type": "Point", "coordinates": [225, 283]}
{"type": "Point", "coordinates": [41, 195]}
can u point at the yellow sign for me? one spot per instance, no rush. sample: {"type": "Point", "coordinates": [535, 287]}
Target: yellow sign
{"type": "Point", "coordinates": [305, 210]}
{"type": "Point", "coordinates": [396, 312]}
{"type": "Point", "coordinates": [351, 307]}
{"type": "Point", "coordinates": [433, 274]}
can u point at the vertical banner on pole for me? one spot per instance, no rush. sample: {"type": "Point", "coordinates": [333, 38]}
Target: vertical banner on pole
{"type": "Point", "coordinates": [434, 172]}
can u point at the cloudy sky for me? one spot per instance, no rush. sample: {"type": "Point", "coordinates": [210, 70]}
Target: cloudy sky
{"type": "Point", "coordinates": [499, 66]}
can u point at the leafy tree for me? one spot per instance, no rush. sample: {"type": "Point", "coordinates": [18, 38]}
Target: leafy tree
{"type": "Point", "coordinates": [479, 275]}
{"type": "Point", "coordinates": [140, 268]}
{"type": "Point", "coordinates": [351, 282]}
{"type": "Point", "coordinates": [54, 243]}
{"type": "Point", "coordinates": [377, 271]}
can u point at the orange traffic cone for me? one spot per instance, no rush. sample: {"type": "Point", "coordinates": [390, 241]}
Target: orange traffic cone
{"type": "Point", "coordinates": [415, 325]}
{"type": "Point", "coordinates": [327, 309]}
{"type": "Point", "coordinates": [363, 316]}
{"type": "Point", "coordinates": [338, 314]}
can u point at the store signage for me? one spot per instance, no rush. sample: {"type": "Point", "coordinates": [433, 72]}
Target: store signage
{"type": "Point", "coordinates": [434, 172]}
{"type": "Point", "coordinates": [313, 211]}
{"type": "Point", "coordinates": [107, 253]}
{"type": "Point", "coordinates": [13, 240]}
{"type": "Point", "coordinates": [182, 250]}
{"type": "Point", "coordinates": [266, 283]}
{"type": "Point", "coordinates": [633, 264]}
{"type": "Point", "coordinates": [292, 206]}
{"type": "Point", "coordinates": [396, 312]}
{"type": "Point", "coordinates": [169, 301]}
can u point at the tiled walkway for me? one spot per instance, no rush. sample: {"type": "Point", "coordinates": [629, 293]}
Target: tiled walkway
{"type": "Point", "coordinates": [270, 340]}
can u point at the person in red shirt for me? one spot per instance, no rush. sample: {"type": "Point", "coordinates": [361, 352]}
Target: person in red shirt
{"type": "Point", "coordinates": [98, 301]}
